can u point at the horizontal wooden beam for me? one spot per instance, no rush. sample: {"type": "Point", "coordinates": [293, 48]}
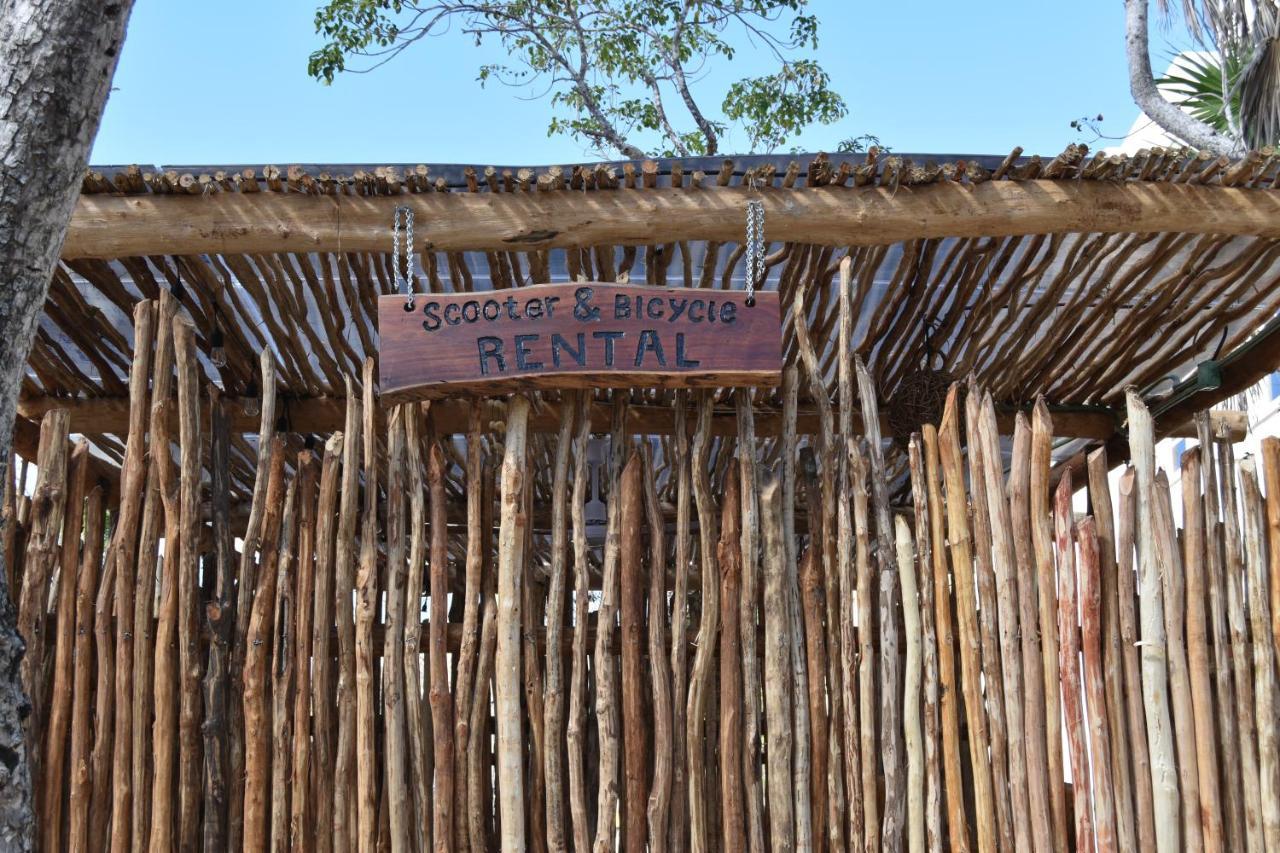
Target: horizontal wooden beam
{"type": "Point", "coordinates": [114, 226]}
{"type": "Point", "coordinates": [110, 415]}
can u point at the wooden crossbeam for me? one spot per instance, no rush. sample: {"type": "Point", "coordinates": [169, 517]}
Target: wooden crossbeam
{"type": "Point", "coordinates": [115, 226]}
{"type": "Point", "coordinates": [110, 415]}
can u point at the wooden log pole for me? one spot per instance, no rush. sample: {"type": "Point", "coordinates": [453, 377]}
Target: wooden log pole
{"type": "Point", "coordinates": [302, 807]}
{"type": "Point", "coordinates": [399, 792]}
{"type": "Point", "coordinates": [912, 695]}
{"type": "Point", "coordinates": [924, 511]}
{"type": "Point", "coordinates": [1112, 654]}
{"type": "Point", "coordinates": [189, 658]}
{"type": "Point", "coordinates": [507, 687]}
{"type": "Point", "coordinates": [63, 675]}
{"type": "Point", "coordinates": [258, 635]}
{"type": "Point", "coordinates": [708, 627]}
{"type": "Point", "coordinates": [747, 606]}
{"type": "Point", "coordinates": [576, 728]}
{"type": "Point", "coordinates": [959, 537]}
{"type": "Point", "coordinates": [100, 802]}
{"type": "Point", "coordinates": [282, 657]}
{"type": "Point", "coordinates": [366, 604]}
{"type": "Point", "coordinates": [345, 817]}
{"type": "Point", "coordinates": [442, 705]}
{"type": "Point", "coordinates": [1042, 430]}
{"type": "Point", "coordinates": [660, 670]}
{"type": "Point", "coordinates": [322, 622]}
{"type": "Point", "coordinates": [165, 673]}
{"type": "Point", "coordinates": [1090, 583]}
{"type": "Point", "coordinates": [1034, 716]}
{"type": "Point", "coordinates": [80, 778]}
{"type": "Point", "coordinates": [133, 479]}
{"type": "Point", "coordinates": [1253, 522]}
{"type": "Point", "coordinates": [1069, 665]}
{"type": "Point", "coordinates": [631, 621]}
{"type": "Point", "coordinates": [777, 669]}
{"type": "Point", "coordinates": [417, 717]}
{"type": "Point", "coordinates": [732, 810]}
{"type": "Point", "coordinates": [1155, 682]}
{"type": "Point", "coordinates": [464, 685]}
{"type": "Point", "coordinates": [678, 836]}
{"type": "Point", "coordinates": [949, 709]}
{"type": "Point", "coordinates": [553, 703]}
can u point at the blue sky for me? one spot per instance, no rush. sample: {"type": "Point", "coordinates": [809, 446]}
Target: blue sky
{"type": "Point", "coordinates": [226, 83]}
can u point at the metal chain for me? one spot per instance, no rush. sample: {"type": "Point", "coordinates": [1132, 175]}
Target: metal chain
{"type": "Point", "coordinates": [755, 248]}
{"type": "Point", "coordinates": [402, 271]}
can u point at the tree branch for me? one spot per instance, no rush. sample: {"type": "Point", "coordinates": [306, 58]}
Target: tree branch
{"type": "Point", "coordinates": [1146, 94]}
{"type": "Point", "coordinates": [682, 85]}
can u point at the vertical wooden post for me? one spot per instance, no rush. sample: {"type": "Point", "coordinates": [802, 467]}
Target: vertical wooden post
{"type": "Point", "coordinates": [1164, 774]}
{"type": "Point", "coordinates": [728, 554]}
{"type": "Point", "coordinates": [576, 730]}
{"type": "Point", "coordinates": [1090, 582]}
{"type": "Point", "coordinates": [750, 556]}
{"type": "Point", "coordinates": [55, 736]}
{"type": "Point", "coordinates": [283, 634]}
{"type": "Point", "coordinates": [606, 681]}
{"type": "Point", "coordinates": [678, 837]}
{"type": "Point", "coordinates": [189, 706]}
{"type": "Point", "coordinates": [660, 671]}
{"type": "Point", "coordinates": [1034, 718]}
{"type": "Point", "coordinates": [366, 604]}
{"type": "Point", "coordinates": [417, 718]}
{"type": "Point", "coordinates": [957, 821]}
{"type": "Point", "coordinates": [132, 479]}
{"type": "Point", "coordinates": [924, 512]}
{"type": "Point", "coordinates": [966, 612]}
{"type": "Point", "coordinates": [441, 702]}
{"type": "Point", "coordinates": [777, 668]}
{"type": "Point", "coordinates": [345, 819]}
{"type": "Point", "coordinates": [911, 695]}
{"type": "Point", "coordinates": [219, 614]}
{"type": "Point", "coordinates": [258, 637]}
{"type": "Point", "coordinates": [553, 695]}
{"type": "Point", "coordinates": [477, 541]}
{"type": "Point", "coordinates": [400, 797]}
{"type": "Point", "coordinates": [631, 615]}
{"type": "Point", "coordinates": [1042, 548]}
{"type": "Point", "coordinates": [322, 605]}
{"type": "Point", "coordinates": [708, 627]}
{"type": "Point", "coordinates": [81, 793]}
{"type": "Point", "coordinates": [507, 665]}
{"type": "Point", "coordinates": [301, 808]}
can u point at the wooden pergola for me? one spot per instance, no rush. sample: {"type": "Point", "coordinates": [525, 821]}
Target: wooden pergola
{"type": "Point", "coordinates": [1068, 278]}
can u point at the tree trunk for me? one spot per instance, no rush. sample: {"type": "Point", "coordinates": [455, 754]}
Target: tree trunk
{"type": "Point", "coordinates": [56, 64]}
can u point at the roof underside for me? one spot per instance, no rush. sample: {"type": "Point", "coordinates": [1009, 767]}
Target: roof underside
{"type": "Point", "coordinates": [1073, 317]}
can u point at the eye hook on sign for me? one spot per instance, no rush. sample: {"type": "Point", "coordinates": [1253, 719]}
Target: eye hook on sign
{"type": "Point", "coordinates": [403, 272]}
{"type": "Point", "coordinates": [755, 239]}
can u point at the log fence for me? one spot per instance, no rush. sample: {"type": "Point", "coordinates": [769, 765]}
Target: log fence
{"type": "Point", "coordinates": [688, 670]}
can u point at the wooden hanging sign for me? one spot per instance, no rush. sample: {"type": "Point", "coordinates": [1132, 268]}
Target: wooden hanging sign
{"type": "Point", "coordinates": [581, 335]}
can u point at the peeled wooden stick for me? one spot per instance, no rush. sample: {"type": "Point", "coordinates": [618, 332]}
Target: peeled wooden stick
{"type": "Point", "coordinates": [890, 732]}
{"type": "Point", "coordinates": [133, 477]}
{"type": "Point", "coordinates": [1042, 548]}
{"type": "Point", "coordinates": [219, 618]}
{"type": "Point", "coordinates": [1112, 654]}
{"type": "Point", "coordinates": [479, 714]}
{"type": "Point", "coordinates": [104, 702]}
{"type": "Point", "coordinates": [1233, 828]}
{"type": "Point", "coordinates": [553, 691]}
{"type": "Point", "coordinates": [1155, 687]}
{"type": "Point", "coordinates": [1034, 717]}
{"type": "Point", "coordinates": [1091, 641]}
{"type": "Point", "coordinates": [678, 834]}
{"type": "Point", "coordinates": [1069, 664]}
{"type": "Point", "coordinates": [344, 802]}
{"type": "Point", "coordinates": [911, 713]}
{"type": "Point", "coordinates": [815, 648]}
{"type": "Point", "coordinates": [966, 613]}
{"type": "Point", "coordinates": [1241, 662]}
{"type": "Point", "coordinates": [993, 661]}
{"type": "Point", "coordinates": [732, 812]}
{"type": "Point", "coordinates": [507, 667]}
{"type": "Point", "coordinates": [1271, 473]}
{"type": "Point", "coordinates": [660, 792]}
{"type": "Point", "coordinates": [82, 684]}
{"type": "Point", "coordinates": [442, 707]}
{"type": "Point", "coordinates": [924, 512]}
{"type": "Point", "coordinates": [750, 555]}
{"type": "Point", "coordinates": [606, 683]}
{"type": "Point", "coordinates": [321, 627]}
{"type": "Point", "coordinates": [246, 582]}
{"type": "Point", "coordinates": [466, 663]}
{"type": "Point", "coordinates": [366, 604]}
{"type": "Point", "coordinates": [301, 810]}
{"type": "Point", "coordinates": [165, 680]}
{"type": "Point", "coordinates": [73, 522]}
{"type": "Point", "coordinates": [1210, 807]}
{"type": "Point", "coordinates": [1264, 659]}
{"type": "Point", "coordinates": [800, 694]}
{"type": "Point", "coordinates": [708, 627]}
{"type": "Point", "coordinates": [189, 715]}
{"type": "Point", "coordinates": [284, 631]}
{"type": "Point", "coordinates": [1002, 561]}
{"type": "Point", "coordinates": [257, 712]}
{"type": "Point", "coordinates": [399, 789]}
{"type": "Point", "coordinates": [576, 731]}
{"type": "Point", "coordinates": [777, 670]}
{"type": "Point", "coordinates": [957, 822]}
{"type": "Point", "coordinates": [417, 721]}
{"type": "Point", "coordinates": [631, 617]}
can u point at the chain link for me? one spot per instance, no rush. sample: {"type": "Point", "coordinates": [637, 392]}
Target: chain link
{"type": "Point", "coordinates": [755, 248]}
{"type": "Point", "coordinates": [403, 270]}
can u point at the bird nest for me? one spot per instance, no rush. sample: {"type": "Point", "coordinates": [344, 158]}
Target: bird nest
{"type": "Point", "coordinates": [918, 400]}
